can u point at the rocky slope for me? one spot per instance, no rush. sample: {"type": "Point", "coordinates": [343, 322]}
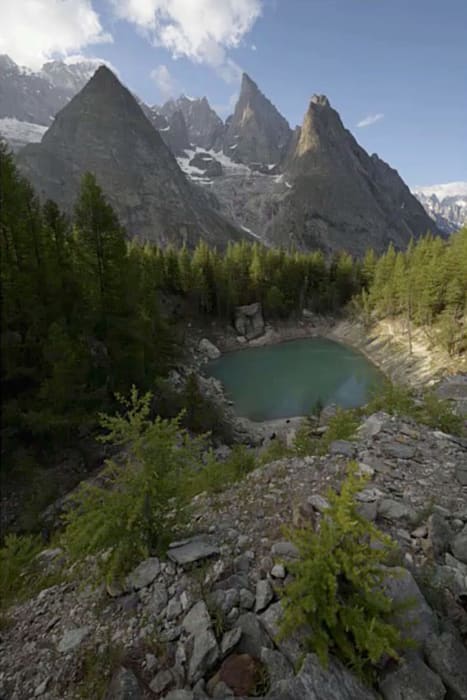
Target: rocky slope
{"type": "Point", "coordinates": [446, 204]}
{"type": "Point", "coordinates": [205, 127]}
{"type": "Point", "coordinates": [340, 197]}
{"type": "Point", "coordinates": [29, 100]}
{"type": "Point", "coordinates": [256, 134]}
{"type": "Point", "coordinates": [103, 130]}
{"type": "Point", "coordinates": [204, 622]}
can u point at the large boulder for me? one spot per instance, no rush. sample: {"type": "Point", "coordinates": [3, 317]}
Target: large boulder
{"type": "Point", "coordinates": [314, 682]}
{"type": "Point", "coordinates": [413, 680]}
{"type": "Point", "coordinates": [249, 320]}
{"type": "Point", "coordinates": [448, 657]}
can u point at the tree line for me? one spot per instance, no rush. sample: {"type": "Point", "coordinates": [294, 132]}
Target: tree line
{"type": "Point", "coordinates": [84, 311]}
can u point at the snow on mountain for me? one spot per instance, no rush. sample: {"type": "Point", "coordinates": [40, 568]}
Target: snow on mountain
{"type": "Point", "coordinates": [446, 204]}
{"type": "Point", "coordinates": [19, 133]}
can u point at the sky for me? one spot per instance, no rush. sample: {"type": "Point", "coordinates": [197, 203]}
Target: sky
{"type": "Point", "coordinates": [396, 70]}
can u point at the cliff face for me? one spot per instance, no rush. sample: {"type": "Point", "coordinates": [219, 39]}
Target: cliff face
{"type": "Point", "coordinates": [103, 130]}
{"type": "Point", "coordinates": [340, 197]}
{"type": "Point", "coordinates": [257, 134]}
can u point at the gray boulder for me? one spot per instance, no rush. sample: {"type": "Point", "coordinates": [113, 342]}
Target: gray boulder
{"type": "Point", "coordinates": [209, 349]}
{"type": "Point", "coordinates": [144, 574]}
{"type": "Point", "coordinates": [415, 618]}
{"type": "Point", "coordinates": [314, 682]}
{"type": "Point", "coordinates": [459, 545]}
{"type": "Point", "coordinates": [249, 320]}
{"type": "Point", "coordinates": [124, 686]}
{"type": "Point", "coordinates": [448, 657]}
{"type": "Point", "coordinates": [413, 680]}
{"type": "Point", "coordinates": [193, 549]}
{"type": "Point", "coordinates": [254, 637]}
{"type": "Point", "coordinates": [72, 638]}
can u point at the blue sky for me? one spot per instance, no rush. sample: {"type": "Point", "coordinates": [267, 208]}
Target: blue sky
{"type": "Point", "coordinates": [400, 64]}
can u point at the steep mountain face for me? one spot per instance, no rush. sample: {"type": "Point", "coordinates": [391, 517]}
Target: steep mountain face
{"type": "Point", "coordinates": [446, 204]}
{"type": "Point", "coordinates": [103, 130]}
{"type": "Point", "coordinates": [205, 127]}
{"type": "Point", "coordinates": [29, 101]}
{"type": "Point", "coordinates": [257, 134]}
{"type": "Point", "coordinates": [339, 196]}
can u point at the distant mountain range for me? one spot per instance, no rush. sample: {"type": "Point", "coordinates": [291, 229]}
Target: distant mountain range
{"type": "Point", "coordinates": [250, 176]}
{"type": "Point", "coordinates": [446, 204]}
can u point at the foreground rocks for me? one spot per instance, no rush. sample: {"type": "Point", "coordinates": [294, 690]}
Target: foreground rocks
{"type": "Point", "coordinates": [204, 622]}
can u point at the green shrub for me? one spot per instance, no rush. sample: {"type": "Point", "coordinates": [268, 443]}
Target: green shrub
{"type": "Point", "coordinates": [336, 592]}
{"type": "Point", "coordinates": [427, 408]}
{"type": "Point", "coordinates": [18, 566]}
{"type": "Point", "coordinates": [277, 449]}
{"type": "Point", "coordinates": [131, 513]}
{"type": "Point", "coordinates": [341, 426]}
{"type": "Point", "coordinates": [215, 476]}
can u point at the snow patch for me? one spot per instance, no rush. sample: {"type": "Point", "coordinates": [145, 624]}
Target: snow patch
{"type": "Point", "coordinates": [20, 133]}
{"type": "Point", "coordinates": [449, 189]}
{"type": "Point", "coordinates": [252, 233]}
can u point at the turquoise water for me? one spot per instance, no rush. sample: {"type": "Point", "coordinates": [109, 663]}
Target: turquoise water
{"type": "Point", "coordinates": [279, 381]}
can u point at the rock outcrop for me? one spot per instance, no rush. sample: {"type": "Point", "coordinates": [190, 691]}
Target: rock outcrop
{"type": "Point", "coordinates": [256, 134]}
{"type": "Point", "coordinates": [249, 321]}
{"type": "Point", "coordinates": [339, 196]}
{"type": "Point", "coordinates": [103, 130]}
{"type": "Point", "coordinates": [205, 127]}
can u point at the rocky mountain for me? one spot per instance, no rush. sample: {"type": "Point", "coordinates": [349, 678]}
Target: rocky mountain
{"type": "Point", "coordinates": [339, 197]}
{"type": "Point", "coordinates": [446, 204]}
{"type": "Point", "coordinates": [103, 130]}
{"type": "Point", "coordinates": [173, 128]}
{"type": "Point", "coordinates": [29, 101]}
{"type": "Point", "coordinates": [256, 134]}
{"type": "Point", "coordinates": [205, 127]}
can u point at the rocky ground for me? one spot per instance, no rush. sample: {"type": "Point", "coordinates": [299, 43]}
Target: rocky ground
{"type": "Point", "coordinates": [203, 622]}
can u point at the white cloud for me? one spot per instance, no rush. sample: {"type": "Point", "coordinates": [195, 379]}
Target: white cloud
{"type": "Point", "coordinates": [253, 47]}
{"type": "Point", "coordinates": [370, 119]}
{"type": "Point", "coordinates": [167, 84]}
{"type": "Point", "coordinates": [33, 31]}
{"type": "Point", "coordinates": [201, 30]}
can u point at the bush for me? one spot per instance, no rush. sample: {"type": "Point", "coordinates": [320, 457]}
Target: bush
{"type": "Point", "coordinates": [131, 513]}
{"type": "Point", "coordinates": [336, 591]}
{"type": "Point", "coordinates": [427, 409]}
{"type": "Point", "coordinates": [341, 426]}
{"type": "Point", "coordinates": [18, 570]}
{"type": "Point", "coordinates": [215, 476]}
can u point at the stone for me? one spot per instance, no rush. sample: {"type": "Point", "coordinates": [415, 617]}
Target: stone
{"type": "Point", "coordinates": [413, 680]}
{"type": "Point", "coordinates": [197, 619]}
{"type": "Point", "coordinates": [193, 549]}
{"type": "Point", "coordinates": [285, 549]}
{"type": "Point", "coordinates": [254, 637]}
{"type": "Point", "coordinates": [249, 320]}
{"type": "Point", "coordinates": [278, 571]}
{"type": "Point", "coordinates": [448, 657]}
{"type": "Point", "coordinates": [42, 687]}
{"type": "Point", "coordinates": [440, 534]}
{"type": "Point", "coordinates": [264, 595]}
{"type": "Point", "coordinates": [209, 349]}
{"type": "Point", "coordinates": [222, 691]}
{"type": "Point", "coordinates": [314, 682]}
{"type": "Point", "coordinates": [124, 686]}
{"type": "Point", "coordinates": [372, 425]}
{"type": "Point", "coordinates": [277, 666]}
{"type": "Point", "coordinates": [318, 502]}
{"type": "Point", "coordinates": [391, 509]}
{"type": "Point", "coordinates": [368, 510]}
{"type": "Point", "coordinates": [399, 450]}
{"type": "Point", "coordinates": [291, 646]}
{"type": "Point", "coordinates": [161, 681]}
{"type": "Point", "coordinates": [204, 655]}
{"type": "Point", "coordinates": [180, 694]}
{"type": "Point", "coordinates": [342, 447]}
{"type": "Point", "coordinates": [417, 621]}
{"type": "Point", "coordinates": [459, 545]}
{"type": "Point", "coordinates": [174, 609]}
{"type": "Point", "coordinates": [247, 599]}
{"type": "Point", "coordinates": [240, 673]}
{"type": "Point", "coordinates": [461, 474]}
{"type": "Point", "coordinates": [327, 413]}
{"type": "Point", "coordinates": [144, 574]}
{"type": "Point", "coordinates": [230, 640]}
{"type": "Point", "coordinates": [157, 600]}
{"type": "Point", "coordinates": [72, 638]}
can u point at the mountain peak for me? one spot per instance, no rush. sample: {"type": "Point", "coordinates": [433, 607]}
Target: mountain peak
{"type": "Point", "coordinates": [321, 100]}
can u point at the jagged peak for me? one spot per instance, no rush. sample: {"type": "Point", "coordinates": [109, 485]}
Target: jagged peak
{"type": "Point", "coordinates": [321, 100]}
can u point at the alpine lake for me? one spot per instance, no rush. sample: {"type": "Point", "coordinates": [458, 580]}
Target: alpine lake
{"type": "Point", "coordinates": [294, 377]}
